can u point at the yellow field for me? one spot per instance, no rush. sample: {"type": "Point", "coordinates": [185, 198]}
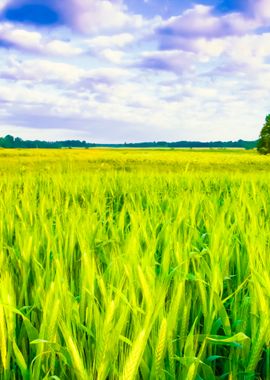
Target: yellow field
{"type": "Point", "coordinates": [134, 264]}
{"type": "Point", "coordinates": [174, 160]}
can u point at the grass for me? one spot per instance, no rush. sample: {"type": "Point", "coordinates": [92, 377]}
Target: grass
{"type": "Point", "coordinates": [145, 264]}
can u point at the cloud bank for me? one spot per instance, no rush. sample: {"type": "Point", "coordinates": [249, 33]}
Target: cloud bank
{"type": "Point", "coordinates": [106, 71]}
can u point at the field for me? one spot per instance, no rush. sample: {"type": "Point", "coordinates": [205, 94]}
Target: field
{"type": "Point", "coordinates": [134, 264]}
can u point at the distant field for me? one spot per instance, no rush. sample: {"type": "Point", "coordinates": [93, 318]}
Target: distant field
{"type": "Point", "coordinates": [171, 160]}
{"type": "Point", "coordinates": [134, 264]}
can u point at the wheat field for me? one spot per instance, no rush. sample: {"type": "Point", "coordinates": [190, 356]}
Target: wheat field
{"type": "Point", "coordinates": [134, 264]}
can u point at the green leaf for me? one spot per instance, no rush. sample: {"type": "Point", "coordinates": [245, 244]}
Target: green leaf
{"type": "Point", "coordinates": [212, 358]}
{"type": "Point", "coordinates": [235, 340]}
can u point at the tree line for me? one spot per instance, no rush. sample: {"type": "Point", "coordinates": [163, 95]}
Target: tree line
{"type": "Point", "coordinates": [16, 142]}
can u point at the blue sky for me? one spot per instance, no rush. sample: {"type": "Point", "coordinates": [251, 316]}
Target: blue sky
{"type": "Point", "coordinates": [134, 70]}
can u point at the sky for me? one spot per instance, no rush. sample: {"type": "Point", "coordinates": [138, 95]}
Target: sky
{"type": "Point", "coordinates": [110, 71]}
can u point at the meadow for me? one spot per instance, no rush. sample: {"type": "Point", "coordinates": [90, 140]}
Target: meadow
{"type": "Point", "coordinates": [134, 264]}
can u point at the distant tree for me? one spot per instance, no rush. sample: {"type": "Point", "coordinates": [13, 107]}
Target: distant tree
{"type": "Point", "coordinates": [8, 141]}
{"type": "Point", "coordinates": [18, 142]}
{"type": "Point", "coordinates": [263, 146]}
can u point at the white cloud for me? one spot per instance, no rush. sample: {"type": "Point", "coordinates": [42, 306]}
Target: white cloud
{"type": "Point", "coordinates": [33, 41]}
{"type": "Point", "coordinates": [112, 41]}
{"type": "Point", "coordinates": [60, 73]}
{"type": "Point", "coordinates": [177, 61]}
{"type": "Point", "coordinates": [200, 21]}
{"type": "Point", "coordinates": [3, 4]}
{"type": "Point", "coordinates": [114, 56]}
{"type": "Point", "coordinates": [61, 48]}
{"type": "Point", "coordinates": [20, 37]}
{"type": "Point", "coordinates": [93, 16]}
{"type": "Point", "coordinates": [261, 9]}
{"type": "Point", "coordinates": [39, 70]}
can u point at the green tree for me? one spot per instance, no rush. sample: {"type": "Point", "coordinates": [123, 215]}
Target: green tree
{"type": "Point", "coordinates": [263, 146]}
{"type": "Point", "coordinates": [8, 141]}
